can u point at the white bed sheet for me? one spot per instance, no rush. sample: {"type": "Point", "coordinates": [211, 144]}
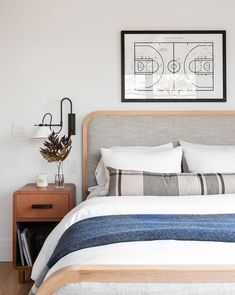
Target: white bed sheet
{"type": "Point", "coordinates": [151, 252]}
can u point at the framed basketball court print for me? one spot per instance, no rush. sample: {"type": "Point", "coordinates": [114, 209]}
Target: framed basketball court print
{"type": "Point", "coordinates": [173, 66]}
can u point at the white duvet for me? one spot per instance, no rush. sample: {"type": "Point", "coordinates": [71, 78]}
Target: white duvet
{"type": "Point", "coordinates": [148, 252]}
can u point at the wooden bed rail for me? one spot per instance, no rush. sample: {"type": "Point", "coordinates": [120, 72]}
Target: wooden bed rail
{"type": "Point", "coordinates": [138, 274]}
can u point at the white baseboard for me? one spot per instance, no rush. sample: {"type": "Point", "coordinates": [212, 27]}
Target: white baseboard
{"type": "Point", "coordinates": [5, 250]}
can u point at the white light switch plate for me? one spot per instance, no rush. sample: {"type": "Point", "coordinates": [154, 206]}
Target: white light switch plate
{"type": "Point", "coordinates": [18, 130]}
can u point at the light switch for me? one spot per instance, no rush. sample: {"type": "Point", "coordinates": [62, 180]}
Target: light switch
{"type": "Point", "coordinates": [18, 130]}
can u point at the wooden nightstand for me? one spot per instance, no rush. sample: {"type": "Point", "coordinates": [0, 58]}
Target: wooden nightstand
{"type": "Point", "coordinates": [39, 210]}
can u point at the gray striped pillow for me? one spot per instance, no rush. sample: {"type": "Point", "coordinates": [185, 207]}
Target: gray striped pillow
{"type": "Point", "coordinates": [141, 183]}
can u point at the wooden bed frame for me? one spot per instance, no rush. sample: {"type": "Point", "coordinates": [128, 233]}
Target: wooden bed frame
{"type": "Point", "coordinates": [137, 273]}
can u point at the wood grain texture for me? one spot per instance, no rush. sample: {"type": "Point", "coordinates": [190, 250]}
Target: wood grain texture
{"type": "Point", "coordinates": [137, 274]}
{"type": "Point", "coordinates": [60, 205]}
{"type": "Point", "coordinates": [9, 281]}
{"type": "Point", "coordinates": [90, 116]}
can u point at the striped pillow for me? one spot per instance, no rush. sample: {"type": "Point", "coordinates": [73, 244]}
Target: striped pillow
{"type": "Point", "coordinates": [141, 183]}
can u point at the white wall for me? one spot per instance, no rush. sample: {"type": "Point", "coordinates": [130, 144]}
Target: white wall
{"type": "Point", "coordinates": [55, 48]}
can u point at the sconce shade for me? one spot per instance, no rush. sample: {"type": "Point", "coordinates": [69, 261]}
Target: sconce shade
{"type": "Point", "coordinates": [42, 132]}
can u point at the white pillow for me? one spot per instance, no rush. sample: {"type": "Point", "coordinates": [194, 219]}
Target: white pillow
{"type": "Point", "coordinates": [209, 159]}
{"type": "Point", "coordinates": [167, 161]}
{"type": "Point", "coordinates": [100, 171]}
{"type": "Point", "coordinates": [204, 146]}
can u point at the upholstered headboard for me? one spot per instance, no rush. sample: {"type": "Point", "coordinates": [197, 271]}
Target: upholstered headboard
{"type": "Point", "coordinates": [148, 128]}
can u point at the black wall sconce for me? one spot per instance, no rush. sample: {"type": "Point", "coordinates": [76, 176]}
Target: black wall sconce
{"type": "Point", "coordinates": [45, 129]}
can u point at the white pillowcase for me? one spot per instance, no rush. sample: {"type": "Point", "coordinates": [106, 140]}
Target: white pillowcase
{"type": "Point", "coordinates": [209, 158]}
{"type": "Point", "coordinates": [167, 161]}
{"type": "Point", "coordinates": [204, 146]}
{"type": "Point", "coordinates": [100, 171]}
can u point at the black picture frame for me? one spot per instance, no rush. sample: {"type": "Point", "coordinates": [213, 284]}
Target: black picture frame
{"type": "Point", "coordinates": [215, 64]}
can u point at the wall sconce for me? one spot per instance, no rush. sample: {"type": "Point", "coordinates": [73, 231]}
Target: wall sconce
{"type": "Point", "coordinates": [45, 129]}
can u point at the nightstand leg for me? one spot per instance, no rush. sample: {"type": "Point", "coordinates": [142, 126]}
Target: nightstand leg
{"type": "Point", "coordinates": [21, 276]}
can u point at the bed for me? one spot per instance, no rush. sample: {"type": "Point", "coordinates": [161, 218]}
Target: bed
{"type": "Point", "coordinates": [171, 266]}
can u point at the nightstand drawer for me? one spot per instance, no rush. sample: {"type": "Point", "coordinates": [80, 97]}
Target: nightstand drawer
{"type": "Point", "coordinates": [39, 206]}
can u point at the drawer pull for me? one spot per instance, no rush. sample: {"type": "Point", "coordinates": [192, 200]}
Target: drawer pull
{"type": "Point", "coordinates": [42, 206]}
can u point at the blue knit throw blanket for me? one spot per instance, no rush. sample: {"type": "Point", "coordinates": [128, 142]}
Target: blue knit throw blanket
{"type": "Point", "coordinates": [104, 230]}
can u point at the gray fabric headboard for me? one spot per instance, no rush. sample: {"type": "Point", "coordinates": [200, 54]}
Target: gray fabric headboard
{"type": "Point", "coordinates": [109, 128]}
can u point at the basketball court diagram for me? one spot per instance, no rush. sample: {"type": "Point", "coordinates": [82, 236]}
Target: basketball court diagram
{"type": "Point", "coordinates": [178, 67]}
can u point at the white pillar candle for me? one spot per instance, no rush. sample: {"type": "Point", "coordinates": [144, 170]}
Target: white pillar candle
{"type": "Point", "coordinates": [41, 180]}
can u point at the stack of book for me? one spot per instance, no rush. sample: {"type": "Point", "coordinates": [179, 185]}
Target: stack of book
{"type": "Point", "coordinates": [24, 247]}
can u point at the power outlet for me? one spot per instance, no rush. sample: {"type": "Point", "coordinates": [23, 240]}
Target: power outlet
{"type": "Point", "coordinates": [72, 166]}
